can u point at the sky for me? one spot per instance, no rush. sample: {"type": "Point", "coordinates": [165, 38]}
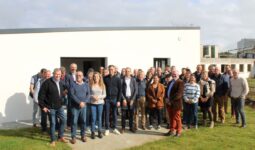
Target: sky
{"type": "Point", "coordinates": [222, 22]}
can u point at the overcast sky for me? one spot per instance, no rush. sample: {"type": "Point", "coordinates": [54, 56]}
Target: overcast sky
{"type": "Point", "coordinates": [222, 22]}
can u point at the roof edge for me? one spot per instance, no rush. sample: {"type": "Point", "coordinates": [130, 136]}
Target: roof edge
{"type": "Point", "coordinates": [77, 29]}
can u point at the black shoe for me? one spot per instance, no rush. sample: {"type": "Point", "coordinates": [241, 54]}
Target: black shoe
{"type": "Point", "coordinates": [169, 134]}
{"type": "Point", "coordinates": [100, 135]}
{"type": "Point", "coordinates": [177, 135]}
{"type": "Point", "coordinates": [132, 130]}
{"type": "Point", "coordinates": [93, 135]}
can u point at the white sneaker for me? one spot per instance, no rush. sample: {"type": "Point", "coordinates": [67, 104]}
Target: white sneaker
{"type": "Point", "coordinates": [116, 131]}
{"type": "Point", "coordinates": [88, 130]}
{"type": "Point", "coordinates": [106, 133]}
{"type": "Point", "coordinates": [158, 127]}
{"type": "Point", "coordinates": [150, 127]}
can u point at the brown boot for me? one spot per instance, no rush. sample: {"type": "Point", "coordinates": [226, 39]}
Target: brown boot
{"type": "Point", "coordinates": [62, 140]}
{"type": "Point", "coordinates": [211, 124]}
{"type": "Point", "coordinates": [73, 140]}
{"type": "Point", "coordinates": [83, 139]}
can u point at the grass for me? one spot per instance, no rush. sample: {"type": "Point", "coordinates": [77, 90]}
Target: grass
{"type": "Point", "coordinates": [251, 83]}
{"type": "Point", "coordinates": [226, 136]}
{"type": "Point", "coordinates": [27, 139]}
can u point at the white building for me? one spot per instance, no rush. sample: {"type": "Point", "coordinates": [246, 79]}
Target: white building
{"type": "Point", "coordinates": [25, 51]}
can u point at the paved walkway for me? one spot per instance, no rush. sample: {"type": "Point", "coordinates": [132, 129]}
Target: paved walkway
{"type": "Point", "coordinates": [116, 142]}
{"type": "Point", "coordinates": [111, 142]}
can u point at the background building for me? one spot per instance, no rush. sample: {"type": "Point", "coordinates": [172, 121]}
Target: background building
{"type": "Point", "coordinates": [246, 65]}
{"type": "Point", "coordinates": [26, 51]}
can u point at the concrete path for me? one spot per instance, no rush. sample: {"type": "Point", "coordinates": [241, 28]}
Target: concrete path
{"type": "Point", "coordinates": [110, 142]}
{"type": "Point", "coordinates": [116, 142]}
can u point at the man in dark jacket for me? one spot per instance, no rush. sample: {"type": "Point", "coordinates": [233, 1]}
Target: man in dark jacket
{"type": "Point", "coordinates": [70, 79]}
{"type": "Point", "coordinates": [221, 91]}
{"type": "Point", "coordinates": [129, 91]}
{"type": "Point", "coordinates": [50, 101]}
{"type": "Point", "coordinates": [113, 97]}
{"type": "Point", "coordinates": [198, 73]}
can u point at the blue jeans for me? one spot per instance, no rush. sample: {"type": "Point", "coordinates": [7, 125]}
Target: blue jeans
{"type": "Point", "coordinates": [192, 114]}
{"type": "Point", "coordinates": [76, 113]}
{"type": "Point", "coordinates": [184, 120]}
{"type": "Point", "coordinates": [239, 110]}
{"type": "Point", "coordinates": [96, 111]}
{"type": "Point", "coordinates": [59, 113]}
{"type": "Point", "coordinates": [110, 105]}
{"type": "Point", "coordinates": [35, 111]}
{"type": "Point", "coordinates": [88, 115]}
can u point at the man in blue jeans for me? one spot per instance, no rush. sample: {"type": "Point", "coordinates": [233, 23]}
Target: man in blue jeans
{"type": "Point", "coordinates": [112, 101]}
{"type": "Point", "coordinates": [80, 95]}
{"type": "Point", "coordinates": [238, 90]}
{"type": "Point", "coordinates": [50, 101]}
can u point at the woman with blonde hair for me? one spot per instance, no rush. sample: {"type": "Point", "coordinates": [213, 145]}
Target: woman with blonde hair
{"type": "Point", "coordinates": [98, 93]}
{"type": "Point", "coordinates": [207, 89]}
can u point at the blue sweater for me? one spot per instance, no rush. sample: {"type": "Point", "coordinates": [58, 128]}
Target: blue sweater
{"type": "Point", "coordinates": [79, 93]}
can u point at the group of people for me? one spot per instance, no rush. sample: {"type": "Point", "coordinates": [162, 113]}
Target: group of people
{"type": "Point", "coordinates": [93, 101]}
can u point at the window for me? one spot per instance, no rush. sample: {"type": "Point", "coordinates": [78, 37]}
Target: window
{"type": "Point", "coordinates": [161, 62]}
{"type": "Point", "coordinates": [233, 66]}
{"type": "Point", "coordinates": [212, 51]}
{"type": "Point", "coordinates": [223, 68]}
{"type": "Point", "coordinates": [241, 68]}
{"type": "Point", "coordinates": [205, 51]}
{"type": "Point", "coordinates": [249, 67]}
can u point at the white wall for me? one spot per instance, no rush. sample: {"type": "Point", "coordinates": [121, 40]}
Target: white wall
{"type": "Point", "coordinates": [22, 55]}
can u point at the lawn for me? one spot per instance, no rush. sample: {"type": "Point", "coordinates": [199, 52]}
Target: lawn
{"type": "Point", "coordinates": [251, 94]}
{"type": "Point", "coordinates": [226, 136]}
{"type": "Point", "coordinates": [27, 139]}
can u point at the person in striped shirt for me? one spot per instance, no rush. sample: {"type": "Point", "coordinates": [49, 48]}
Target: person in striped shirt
{"type": "Point", "coordinates": [191, 95]}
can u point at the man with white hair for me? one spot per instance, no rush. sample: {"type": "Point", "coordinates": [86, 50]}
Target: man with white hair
{"type": "Point", "coordinates": [238, 90]}
{"type": "Point", "coordinates": [174, 94]}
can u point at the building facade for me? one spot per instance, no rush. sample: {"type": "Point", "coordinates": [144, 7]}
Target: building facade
{"type": "Point", "coordinates": [25, 51]}
{"type": "Point", "coordinates": [209, 55]}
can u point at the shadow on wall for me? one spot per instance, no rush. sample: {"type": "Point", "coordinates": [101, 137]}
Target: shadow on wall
{"type": "Point", "coordinates": [17, 108]}
{"type": "Point", "coordinates": [1, 117]}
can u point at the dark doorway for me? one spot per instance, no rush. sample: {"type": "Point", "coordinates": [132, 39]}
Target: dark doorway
{"type": "Point", "coordinates": [84, 63]}
{"type": "Point", "coordinates": [161, 62]}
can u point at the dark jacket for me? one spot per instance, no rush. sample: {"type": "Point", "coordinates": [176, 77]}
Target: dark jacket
{"type": "Point", "coordinates": [49, 95]}
{"type": "Point", "coordinates": [69, 80]}
{"type": "Point", "coordinates": [141, 88]}
{"type": "Point", "coordinates": [222, 84]}
{"type": "Point", "coordinates": [176, 94]}
{"type": "Point", "coordinates": [133, 88]}
{"type": "Point", "coordinates": [113, 87]}
{"type": "Point", "coordinates": [197, 76]}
